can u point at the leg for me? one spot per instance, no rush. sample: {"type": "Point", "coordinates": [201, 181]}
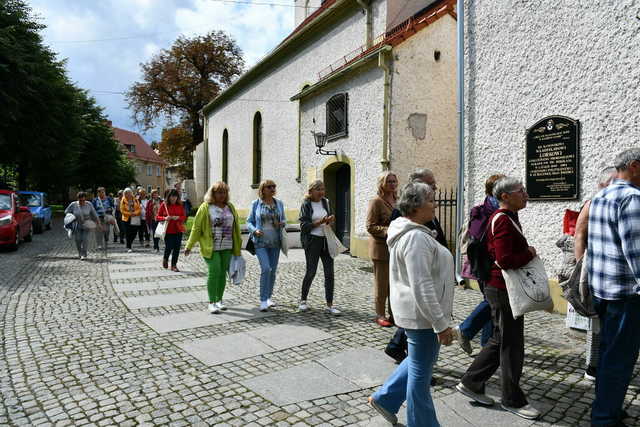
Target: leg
{"type": "Point", "coordinates": [225, 259]}
{"type": "Point", "coordinates": [265, 272]}
{"type": "Point", "coordinates": [167, 247]}
{"type": "Point", "coordinates": [85, 241]}
{"type": "Point", "coordinates": [123, 228]}
{"type": "Point", "coordinates": [392, 394]}
{"type": "Point", "coordinates": [593, 343]}
{"type": "Point", "coordinates": [619, 346]}
{"type": "Point", "coordinates": [423, 348]}
{"type": "Point", "coordinates": [214, 265]}
{"type": "Point", "coordinates": [77, 237]}
{"type": "Point", "coordinates": [476, 320]}
{"type": "Point", "coordinates": [327, 266]}
{"type": "Point", "coordinates": [177, 242]}
{"type": "Point", "coordinates": [274, 257]}
{"type": "Point", "coordinates": [141, 232]}
{"type": "Point", "coordinates": [381, 285]}
{"type": "Point", "coordinates": [312, 255]}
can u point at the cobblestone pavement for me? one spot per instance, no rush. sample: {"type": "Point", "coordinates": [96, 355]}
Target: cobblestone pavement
{"type": "Point", "coordinates": [74, 354]}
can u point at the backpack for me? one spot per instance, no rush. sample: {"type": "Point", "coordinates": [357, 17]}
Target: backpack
{"type": "Point", "coordinates": [479, 259]}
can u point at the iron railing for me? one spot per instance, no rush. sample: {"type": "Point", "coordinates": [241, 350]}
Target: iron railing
{"type": "Point", "coordinates": [447, 202]}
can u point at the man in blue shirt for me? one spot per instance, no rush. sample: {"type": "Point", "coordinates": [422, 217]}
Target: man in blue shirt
{"type": "Point", "coordinates": [613, 263]}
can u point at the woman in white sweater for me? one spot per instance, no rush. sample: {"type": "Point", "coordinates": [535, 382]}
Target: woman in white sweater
{"type": "Point", "coordinates": [421, 292]}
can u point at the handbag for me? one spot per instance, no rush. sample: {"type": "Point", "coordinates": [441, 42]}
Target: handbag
{"type": "Point", "coordinates": [251, 247]}
{"type": "Point", "coordinates": [334, 245]}
{"type": "Point", "coordinates": [528, 286]}
{"type": "Point", "coordinates": [284, 243]}
{"type": "Point", "coordinates": [135, 220]}
{"type": "Point", "coordinates": [161, 230]}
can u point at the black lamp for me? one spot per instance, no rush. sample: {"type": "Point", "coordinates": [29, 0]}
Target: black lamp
{"type": "Point", "coordinates": [321, 141]}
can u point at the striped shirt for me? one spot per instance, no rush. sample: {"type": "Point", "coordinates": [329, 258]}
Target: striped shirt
{"type": "Point", "coordinates": [613, 260]}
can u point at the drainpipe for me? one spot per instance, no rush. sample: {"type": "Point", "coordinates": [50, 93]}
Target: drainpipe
{"type": "Point", "coordinates": [299, 160]}
{"type": "Point", "coordinates": [382, 63]}
{"type": "Point", "coordinates": [205, 122]}
{"type": "Point", "coordinates": [461, 157]}
{"type": "Point", "coordinates": [366, 5]}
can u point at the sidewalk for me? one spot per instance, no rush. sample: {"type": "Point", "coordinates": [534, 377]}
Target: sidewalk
{"type": "Point", "coordinates": [125, 342]}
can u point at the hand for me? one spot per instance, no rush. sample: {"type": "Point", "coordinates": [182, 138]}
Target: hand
{"type": "Point", "coordinates": [258, 233]}
{"type": "Point", "coordinates": [532, 250]}
{"type": "Point", "coordinates": [282, 224]}
{"type": "Point", "coordinates": [329, 219]}
{"type": "Point", "coordinates": [446, 337]}
{"type": "Point", "coordinates": [187, 252]}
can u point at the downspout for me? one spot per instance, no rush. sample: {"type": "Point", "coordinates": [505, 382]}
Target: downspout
{"type": "Point", "coordinates": [366, 5]}
{"type": "Point", "coordinates": [299, 176]}
{"type": "Point", "coordinates": [461, 156]}
{"type": "Point", "coordinates": [382, 63]}
{"type": "Point", "coordinates": [205, 122]}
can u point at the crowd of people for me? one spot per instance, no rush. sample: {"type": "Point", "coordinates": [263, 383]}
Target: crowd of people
{"type": "Point", "coordinates": [414, 277]}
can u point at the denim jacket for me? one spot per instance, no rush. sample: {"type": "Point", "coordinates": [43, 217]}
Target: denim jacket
{"type": "Point", "coordinates": [254, 221]}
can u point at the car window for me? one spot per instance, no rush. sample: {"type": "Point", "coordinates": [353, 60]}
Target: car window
{"type": "Point", "coordinates": [44, 201]}
{"type": "Point", "coordinates": [5, 202]}
{"type": "Point", "coordinates": [31, 200]}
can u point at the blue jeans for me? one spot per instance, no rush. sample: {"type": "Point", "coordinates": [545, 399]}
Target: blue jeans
{"type": "Point", "coordinates": [480, 318]}
{"type": "Point", "coordinates": [619, 346]}
{"type": "Point", "coordinates": [411, 381]}
{"type": "Point", "coordinates": [268, 258]}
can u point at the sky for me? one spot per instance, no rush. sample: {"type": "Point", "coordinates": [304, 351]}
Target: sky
{"type": "Point", "coordinates": [105, 41]}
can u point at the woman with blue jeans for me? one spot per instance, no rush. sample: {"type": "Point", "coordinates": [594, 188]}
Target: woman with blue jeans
{"type": "Point", "coordinates": [421, 292]}
{"type": "Point", "coordinates": [265, 222]}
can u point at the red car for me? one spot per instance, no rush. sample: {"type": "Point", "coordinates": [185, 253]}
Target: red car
{"type": "Point", "coordinates": [15, 220]}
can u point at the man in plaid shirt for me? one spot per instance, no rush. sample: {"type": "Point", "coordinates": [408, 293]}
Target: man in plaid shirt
{"type": "Point", "coordinates": [613, 262]}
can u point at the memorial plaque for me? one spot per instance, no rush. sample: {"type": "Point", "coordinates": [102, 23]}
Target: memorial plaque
{"type": "Point", "coordinates": [553, 150]}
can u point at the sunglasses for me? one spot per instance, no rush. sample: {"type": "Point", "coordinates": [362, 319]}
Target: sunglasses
{"type": "Point", "coordinates": [270, 186]}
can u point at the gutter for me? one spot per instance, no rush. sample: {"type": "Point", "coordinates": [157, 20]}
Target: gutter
{"type": "Point", "coordinates": [382, 63]}
{"type": "Point", "coordinates": [461, 156]}
{"type": "Point", "coordinates": [366, 5]}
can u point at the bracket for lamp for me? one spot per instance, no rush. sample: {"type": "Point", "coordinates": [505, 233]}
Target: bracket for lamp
{"type": "Point", "coordinates": [320, 141]}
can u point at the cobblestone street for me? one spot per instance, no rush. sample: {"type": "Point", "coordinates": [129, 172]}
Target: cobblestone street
{"type": "Point", "coordinates": [124, 342]}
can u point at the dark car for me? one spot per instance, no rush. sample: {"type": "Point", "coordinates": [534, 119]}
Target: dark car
{"type": "Point", "coordinates": [36, 201]}
{"type": "Point", "coordinates": [15, 220]}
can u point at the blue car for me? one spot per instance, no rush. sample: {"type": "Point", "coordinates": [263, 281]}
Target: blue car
{"type": "Point", "coordinates": [36, 201]}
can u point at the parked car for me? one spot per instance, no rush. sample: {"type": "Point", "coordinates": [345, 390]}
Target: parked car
{"type": "Point", "coordinates": [36, 201]}
{"type": "Point", "coordinates": [15, 220]}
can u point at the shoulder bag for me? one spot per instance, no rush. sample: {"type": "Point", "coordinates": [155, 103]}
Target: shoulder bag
{"type": "Point", "coordinates": [251, 247]}
{"type": "Point", "coordinates": [528, 286]}
{"type": "Point", "coordinates": [161, 228]}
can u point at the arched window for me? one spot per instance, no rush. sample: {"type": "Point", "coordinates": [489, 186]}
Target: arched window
{"type": "Point", "coordinates": [337, 116]}
{"type": "Point", "coordinates": [257, 148]}
{"type": "Point", "coordinates": [225, 156]}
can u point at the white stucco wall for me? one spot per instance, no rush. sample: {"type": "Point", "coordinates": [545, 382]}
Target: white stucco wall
{"type": "Point", "coordinates": [528, 60]}
{"type": "Point", "coordinates": [363, 145]}
{"type": "Point", "coordinates": [270, 95]}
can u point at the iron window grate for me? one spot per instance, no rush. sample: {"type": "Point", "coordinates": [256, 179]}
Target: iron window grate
{"type": "Point", "coordinates": [337, 123]}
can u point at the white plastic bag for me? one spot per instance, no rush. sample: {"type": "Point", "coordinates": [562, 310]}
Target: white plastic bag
{"type": "Point", "coordinates": [135, 220]}
{"type": "Point", "coordinates": [528, 286]}
{"type": "Point", "coordinates": [161, 230]}
{"type": "Point", "coordinates": [334, 245]}
{"type": "Point", "coordinates": [284, 244]}
{"type": "Point", "coordinates": [237, 269]}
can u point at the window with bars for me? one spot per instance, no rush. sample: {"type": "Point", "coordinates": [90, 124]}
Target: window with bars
{"type": "Point", "coordinates": [257, 148]}
{"type": "Point", "coordinates": [337, 116]}
{"type": "Point", "coordinates": [225, 156]}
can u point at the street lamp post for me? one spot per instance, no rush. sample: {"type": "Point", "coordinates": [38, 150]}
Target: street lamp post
{"type": "Point", "coordinates": [321, 141]}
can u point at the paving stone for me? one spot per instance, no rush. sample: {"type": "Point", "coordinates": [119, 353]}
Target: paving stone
{"type": "Point", "coordinates": [366, 367]}
{"type": "Point", "coordinates": [227, 348]}
{"type": "Point", "coordinates": [159, 300]}
{"type": "Point", "coordinates": [160, 284]}
{"type": "Point", "coordinates": [280, 337]}
{"type": "Point", "coordinates": [136, 274]}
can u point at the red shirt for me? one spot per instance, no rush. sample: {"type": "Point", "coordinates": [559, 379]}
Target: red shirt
{"type": "Point", "coordinates": [175, 226]}
{"type": "Point", "coordinates": [507, 246]}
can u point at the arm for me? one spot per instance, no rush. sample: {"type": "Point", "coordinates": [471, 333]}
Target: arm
{"type": "Point", "coordinates": [123, 207]}
{"type": "Point", "coordinates": [136, 208]}
{"type": "Point", "coordinates": [421, 282]}
{"type": "Point", "coordinates": [373, 221]}
{"type": "Point", "coordinates": [163, 212]}
{"type": "Point", "coordinates": [69, 208]}
{"type": "Point", "coordinates": [93, 214]}
{"type": "Point", "coordinates": [251, 219]}
{"type": "Point", "coordinates": [503, 239]}
{"type": "Point", "coordinates": [629, 232]}
{"type": "Point", "coordinates": [196, 228]}
{"type": "Point", "coordinates": [305, 219]}
{"type": "Point", "coordinates": [582, 231]}
{"type": "Point", "coordinates": [182, 217]}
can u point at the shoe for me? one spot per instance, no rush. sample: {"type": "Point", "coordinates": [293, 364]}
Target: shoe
{"type": "Point", "coordinates": [303, 306]}
{"type": "Point", "coordinates": [590, 373]}
{"type": "Point", "coordinates": [385, 414]}
{"type": "Point", "coordinates": [221, 306]}
{"type": "Point", "coordinates": [82, 258]}
{"type": "Point", "coordinates": [482, 399]}
{"type": "Point", "coordinates": [396, 354]}
{"type": "Point", "coordinates": [383, 322]}
{"type": "Point", "coordinates": [264, 306]}
{"type": "Point", "coordinates": [146, 245]}
{"type": "Point", "coordinates": [175, 268]}
{"type": "Point", "coordinates": [270, 303]}
{"type": "Point", "coordinates": [463, 342]}
{"type": "Point", "coordinates": [165, 263]}
{"type": "Point", "coordinates": [213, 308]}
{"type": "Point", "coordinates": [527, 411]}
{"type": "Point", "coordinates": [129, 251]}
{"type": "Point", "coordinates": [333, 311]}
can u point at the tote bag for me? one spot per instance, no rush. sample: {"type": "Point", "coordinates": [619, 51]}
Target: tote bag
{"type": "Point", "coordinates": [528, 286]}
{"type": "Point", "coordinates": [334, 245]}
{"type": "Point", "coordinates": [161, 228]}
{"type": "Point", "coordinates": [284, 243]}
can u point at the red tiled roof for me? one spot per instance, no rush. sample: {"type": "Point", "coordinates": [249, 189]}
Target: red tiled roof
{"type": "Point", "coordinates": [143, 150]}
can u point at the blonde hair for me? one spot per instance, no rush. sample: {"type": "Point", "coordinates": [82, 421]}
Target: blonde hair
{"type": "Point", "coordinates": [264, 184]}
{"type": "Point", "coordinates": [215, 187]}
{"type": "Point", "coordinates": [382, 180]}
{"type": "Point", "coordinates": [313, 185]}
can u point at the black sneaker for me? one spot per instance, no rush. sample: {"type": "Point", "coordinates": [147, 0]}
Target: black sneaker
{"type": "Point", "coordinates": [396, 354]}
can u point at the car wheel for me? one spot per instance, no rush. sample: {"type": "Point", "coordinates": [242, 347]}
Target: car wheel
{"type": "Point", "coordinates": [16, 243]}
{"type": "Point", "coordinates": [37, 227]}
{"type": "Point", "coordinates": [29, 237]}
{"type": "Point", "coordinates": [49, 224]}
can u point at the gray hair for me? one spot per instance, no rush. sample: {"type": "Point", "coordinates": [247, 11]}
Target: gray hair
{"type": "Point", "coordinates": [624, 159]}
{"type": "Point", "coordinates": [420, 174]}
{"type": "Point", "coordinates": [607, 175]}
{"type": "Point", "coordinates": [508, 184]}
{"type": "Point", "coordinates": [413, 196]}
{"type": "Point", "coordinates": [127, 190]}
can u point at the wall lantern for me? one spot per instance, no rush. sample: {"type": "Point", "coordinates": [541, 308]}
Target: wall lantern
{"type": "Point", "coordinates": [321, 141]}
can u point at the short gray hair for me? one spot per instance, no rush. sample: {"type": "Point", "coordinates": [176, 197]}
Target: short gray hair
{"type": "Point", "coordinates": [607, 175]}
{"type": "Point", "coordinates": [508, 184]}
{"type": "Point", "coordinates": [420, 174]}
{"type": "Point", "coordinates": [413, 196]}
{"type": "Point", "coordinates": [127, 190]}
{"type": "Point", "coordinates": [624, 159]}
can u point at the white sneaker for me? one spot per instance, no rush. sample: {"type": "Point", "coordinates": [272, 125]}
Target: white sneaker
{"type": "Point", "coordinates": [303, 306]}
{"type": "Point", "coordinates": [527, 411]}
{"type": "Point", "coordinates": [333, 311]}
{"type": "Point", "coordinates": [482, 399]}
{"type": "Point", "coordinates": [270, 303]}
{"type": "Point", "coordinates": [213, 308]}
{"type": "Point", "coordinates": [129, 251]}
{"type": "Point", "coordinates": [82, 258]}
{"type": "Point", "coordinates": [221, 306]}
{"type": "Point", "coordinates": [264, 306]}
{"type": "Point", "coordinates": [463, 342]}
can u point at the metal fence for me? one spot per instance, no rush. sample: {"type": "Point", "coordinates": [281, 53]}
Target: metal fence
{"type": "Point", "coordinates": [447, 201]}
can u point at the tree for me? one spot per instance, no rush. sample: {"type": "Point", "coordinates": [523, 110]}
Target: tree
{"type": "Point", "coordinates": [175, 147]}
{"type": "Point", "coordinates": [178, 82]}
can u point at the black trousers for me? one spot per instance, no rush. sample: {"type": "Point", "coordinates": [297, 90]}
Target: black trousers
{"type": "Point", "coordinates": [131, 231]}
{"type": "Point", "coordinates": [172, 244]}
{"type": "Point", "coordinates": [504, 350]}
{"type": "Point", "coordinates": [121, 226]}
{"type": "Point", "coordinates": [143, 232]}
{"type": "Point", "coordinates": [317, 249]}
{"type": "Point", "coordinates": [399, 341]}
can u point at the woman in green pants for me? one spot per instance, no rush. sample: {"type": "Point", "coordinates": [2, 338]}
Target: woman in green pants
{"type": "Point", "coordinates": [217, 229]}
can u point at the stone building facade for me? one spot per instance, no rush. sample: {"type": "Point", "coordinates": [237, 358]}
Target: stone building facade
{"type": "Point", "coordinates": [344, 62]}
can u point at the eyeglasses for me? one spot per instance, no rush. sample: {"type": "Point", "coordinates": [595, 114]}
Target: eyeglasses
{"type": "Point", "coordinates": [270, 186]}
{"type": "Point", "coordinates": [522, 190]}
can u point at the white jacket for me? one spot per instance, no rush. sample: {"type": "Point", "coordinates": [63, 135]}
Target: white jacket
{"type": "Point", "coordinates": [421, 277]}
